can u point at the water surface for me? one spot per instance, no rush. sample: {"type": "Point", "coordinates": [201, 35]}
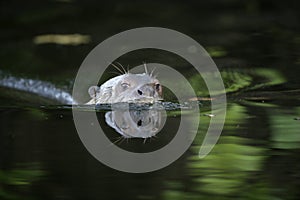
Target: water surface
{"type": "Point", "coordinates": [254, 44]}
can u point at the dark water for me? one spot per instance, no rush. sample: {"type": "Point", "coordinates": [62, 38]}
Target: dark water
{"type": "Point", "coordinates": [255, 44]}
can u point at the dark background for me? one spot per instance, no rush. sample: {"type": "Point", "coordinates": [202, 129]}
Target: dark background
{"type": "Point", "coordinates": [242, 34]}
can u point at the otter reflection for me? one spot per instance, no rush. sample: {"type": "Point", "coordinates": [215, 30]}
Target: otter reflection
{"type": "Point", "coordinates": [136, 123]}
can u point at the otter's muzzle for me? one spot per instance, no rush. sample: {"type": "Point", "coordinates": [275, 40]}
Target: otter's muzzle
{"type": "Point", "coordinates": [147, 90]}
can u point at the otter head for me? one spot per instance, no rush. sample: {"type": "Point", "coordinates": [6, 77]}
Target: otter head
{"type": "Point", "coordinates": [127, 88]}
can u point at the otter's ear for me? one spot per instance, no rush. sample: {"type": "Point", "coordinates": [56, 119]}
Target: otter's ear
{"type": "Point", "coordinates": [93, 90]}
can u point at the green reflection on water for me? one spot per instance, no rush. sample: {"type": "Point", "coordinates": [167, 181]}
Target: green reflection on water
{"type": "Point", "coordinates": [216, 51]}
{"type": "Point", "coordinates": [236, 80]}
{"type": "Point", "coordinates": [226, 171]}
{"type": "Point", "coordinates": [285, 129]}
{"type": "Point", "coordinates": [16, 181]}
{"type": "Point", "coordinates": [244, 163]}
{"type": "Point", "coordinates": [232, 160]}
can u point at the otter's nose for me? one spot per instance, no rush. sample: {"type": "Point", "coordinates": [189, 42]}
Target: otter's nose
{"type": "Point", "coordinates": [146, 90]}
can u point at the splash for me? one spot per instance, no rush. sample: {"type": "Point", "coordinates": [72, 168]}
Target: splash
{"type": "Point", "coordinates": [38, 87]}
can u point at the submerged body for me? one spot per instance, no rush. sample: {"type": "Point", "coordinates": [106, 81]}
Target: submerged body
{"type": "Point", "coordinates": [127, 87]}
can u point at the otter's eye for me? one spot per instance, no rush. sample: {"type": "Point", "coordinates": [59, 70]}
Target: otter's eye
{"type": "Point", "coordinates": [125, 86]}
{"type": "Point", "coordinates": [157, 87]}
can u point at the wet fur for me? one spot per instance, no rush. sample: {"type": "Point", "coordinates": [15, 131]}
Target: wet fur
{"type": "Point", "coordinates": [105, 93]}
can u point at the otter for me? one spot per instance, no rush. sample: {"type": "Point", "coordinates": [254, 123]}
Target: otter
{"type": "Point", "coordinates": [135, 88]}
